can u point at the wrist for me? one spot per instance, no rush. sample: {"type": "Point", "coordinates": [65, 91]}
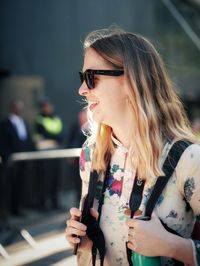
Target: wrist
{"type": "Point", "coordinates": [178, 248]}
{"type": "Point", "coordinates": [173, 245]}
{"type": "Point", "coordinates": [169, 246]}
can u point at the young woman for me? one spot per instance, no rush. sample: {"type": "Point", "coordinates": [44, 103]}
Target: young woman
{"type": "Point", "coordinates": [136, 118]}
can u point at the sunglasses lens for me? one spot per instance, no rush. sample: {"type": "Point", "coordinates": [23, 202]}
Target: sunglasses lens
{"type": "Point", "coordinates": [89, 78]}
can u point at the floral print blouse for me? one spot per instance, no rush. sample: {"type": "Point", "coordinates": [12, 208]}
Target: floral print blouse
{"type": "Point", "coordinates": [177, 206]}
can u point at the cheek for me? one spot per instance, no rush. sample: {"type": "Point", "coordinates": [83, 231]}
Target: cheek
{"type": "Point", "coordinates": [119, 94]}
{"type": "Point", "coordinates": [119, 101]}
{"type": "Point", "coordinates": [112, 95]}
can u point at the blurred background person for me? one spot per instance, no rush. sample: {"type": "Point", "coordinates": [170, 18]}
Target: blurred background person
{"type": "Point", "coordinates": [14, 137]}
{"type": "Point", "coordinates": [48, 126]}
{"type": "Point", "coordinates": [49, 132]}
{"type": "Point", "coordinates": [14, 132]}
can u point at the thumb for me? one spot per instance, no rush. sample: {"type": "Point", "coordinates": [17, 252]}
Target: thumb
{"type": "Point", "coordinates": [154, 215]}
{"type": "Point", "coordinates": [94, 213]}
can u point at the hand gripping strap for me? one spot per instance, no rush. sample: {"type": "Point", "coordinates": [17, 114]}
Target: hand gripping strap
{"type": "Point", "coordinates": [168, 168]}
{"type": "Point", "coordinates": [134, 203]}
{"type": "Point", "coordinates": [94, 231]}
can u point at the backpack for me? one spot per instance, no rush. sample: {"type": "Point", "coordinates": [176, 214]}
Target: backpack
{"type": "Point", "coordinates": [93, 229]}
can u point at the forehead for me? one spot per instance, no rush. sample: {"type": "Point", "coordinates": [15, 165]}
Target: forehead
{"type": "Point", "coordinates": [93, 60]}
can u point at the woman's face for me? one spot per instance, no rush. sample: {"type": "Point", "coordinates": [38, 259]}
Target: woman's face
{"type": "Point", "coordinates": [108, 100]}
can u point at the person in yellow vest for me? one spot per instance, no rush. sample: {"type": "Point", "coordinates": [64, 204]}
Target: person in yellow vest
{"type": "Point", "coordinates": [48, 126]}
{"type": "Point", "coordinates": [49, 135]}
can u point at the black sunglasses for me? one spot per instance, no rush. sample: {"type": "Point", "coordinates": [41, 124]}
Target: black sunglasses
{"type": "Point", "coordinates": [88, 75]}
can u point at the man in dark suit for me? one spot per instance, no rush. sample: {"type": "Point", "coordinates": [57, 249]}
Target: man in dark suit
{"type": "Point", "coordinates": [14, 137]}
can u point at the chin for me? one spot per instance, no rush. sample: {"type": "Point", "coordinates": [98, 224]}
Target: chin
{"type": "Point", "coordinates": [97, 118]}
{"type": "Point", "coordinates": [100, 120]}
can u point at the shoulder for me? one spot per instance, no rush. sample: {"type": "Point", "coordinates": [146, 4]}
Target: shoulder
{"type": "Point", "coordinates": [5, 121]}
{"type": "Point", "coordinates": [188, 175]}
{"type": "Point", "coordinates": [191, 156]}
{"type": "Point", "coordinates": [39, 118]}
{"type": "Point", "coordinates": [6, 124]}
{"type": "Point", "coordinates": [57, 117]}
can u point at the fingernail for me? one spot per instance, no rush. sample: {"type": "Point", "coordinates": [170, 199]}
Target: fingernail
{"type": "Point", "coordinates": [83, 227]}
{"type": "Point", "coordinates": [77, 240]}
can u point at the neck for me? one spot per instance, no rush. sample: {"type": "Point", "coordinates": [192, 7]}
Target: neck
{"type": "Point", "coordinates": [122, 132]}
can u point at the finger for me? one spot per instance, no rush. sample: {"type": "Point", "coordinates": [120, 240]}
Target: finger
{"type": "Point", "coordinates": [74, 232]}
{"type": "Point", "coordinates": [75, 213]}
{"type": "Point", "coordinates": [75, 224]}
{"type": "Point", "coordinates": [130, 223]}
{"type": "Point", "coordinates": [94, 213]}
{"type": "Point", "coordinates": [130, 238]}
{"type": "Point", "coordinates": [73, 240]}
{"type": "Point", "coordinates": [133, 246]}
{"type": "Point", "coordinates": [131, 231]}
{"type": "Point", "coordinates": [154, 216]}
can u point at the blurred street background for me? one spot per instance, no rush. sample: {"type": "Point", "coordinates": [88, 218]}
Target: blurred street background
{"type": "Point", "coordinates": [41, 117]}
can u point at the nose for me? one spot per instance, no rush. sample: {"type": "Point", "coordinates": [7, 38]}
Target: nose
{"type": "Point", "coordinates": [83, 90]}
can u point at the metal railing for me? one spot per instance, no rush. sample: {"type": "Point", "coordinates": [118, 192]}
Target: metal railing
{"type": "Point", "coordinates": [32, 156]}
{"type": "Point", "coordinates": [41, 155]}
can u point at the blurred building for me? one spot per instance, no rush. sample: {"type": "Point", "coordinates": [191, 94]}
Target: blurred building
{"type": "Point", "coordinates": [44, 38]}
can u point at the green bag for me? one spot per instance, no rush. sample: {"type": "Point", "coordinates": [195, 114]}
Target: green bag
{"type": "Point", "coordinates": [140, 260]}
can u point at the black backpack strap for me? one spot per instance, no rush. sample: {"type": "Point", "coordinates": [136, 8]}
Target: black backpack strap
{"type": "Point", "coordinates": [93, 231]}
{"type": "Point", "coordinates": [99, 240]}
{"type": "Point", "coordinates": [91, 193]}
{"type": "Point", "coordinates": [134, 203]}
{"type": "Point", "coordinates": [87, 203]}
{"type": "Point", "coordinates": [168, 168]}
{"type": "Point", "coordinates": [136, 195]}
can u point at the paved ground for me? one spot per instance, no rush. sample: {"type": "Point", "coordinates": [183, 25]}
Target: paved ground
{"type": "Point", "coordinates": [37, 239]}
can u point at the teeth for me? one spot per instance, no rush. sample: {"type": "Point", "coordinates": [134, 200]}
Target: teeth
{"type": "Point", "coordinates": [93, 102]}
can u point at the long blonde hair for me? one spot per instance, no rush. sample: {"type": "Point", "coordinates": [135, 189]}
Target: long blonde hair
{"type": "Point", "coordinates": [157, 112]}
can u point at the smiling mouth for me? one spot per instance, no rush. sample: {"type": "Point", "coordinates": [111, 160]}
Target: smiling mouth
{"type": "Point", "coordinates": [92, 105]}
